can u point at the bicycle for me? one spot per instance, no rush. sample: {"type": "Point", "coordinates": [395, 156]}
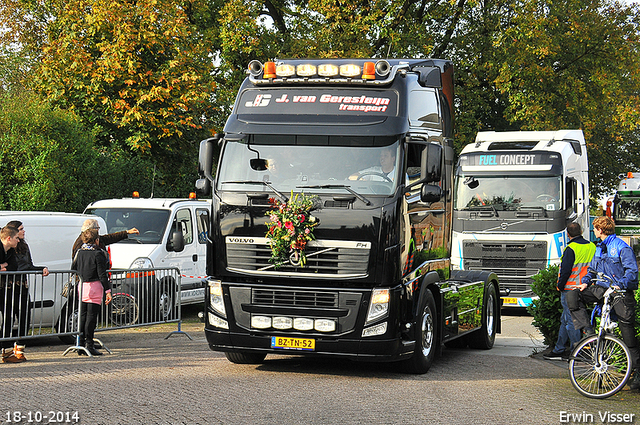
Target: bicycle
{"type": "Point", "coordinates": [123, 309]}
{"type": "Point", "coordinates": [600, 364]}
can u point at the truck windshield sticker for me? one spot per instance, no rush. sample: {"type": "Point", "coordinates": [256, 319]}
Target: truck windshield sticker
{"type": "Point", "coordinates": [507, 159]}
{"type": "Point", "coordinates": [317, 102]}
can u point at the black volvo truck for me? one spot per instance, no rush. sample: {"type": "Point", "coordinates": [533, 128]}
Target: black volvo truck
{"type": "Point", "coordinates": [362, 270]}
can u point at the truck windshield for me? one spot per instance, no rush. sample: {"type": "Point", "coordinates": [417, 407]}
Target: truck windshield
{"type": "Point", "coordinates": [368, 168]}
{"type": "Point", "coordinates": [150, 222]}
{"type": "Point", "coordinates": [628, 209]}
{"type": "Point", "coordinates": [507, 193]}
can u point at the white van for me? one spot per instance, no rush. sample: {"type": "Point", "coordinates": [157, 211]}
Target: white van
{"type": "Point", "coordinates": [50, 236]}
{"type": "Point", "coordinates": [173, 233]}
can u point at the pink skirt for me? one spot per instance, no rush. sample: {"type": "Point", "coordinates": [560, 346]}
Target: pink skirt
{"type": "Point", "coordinates": [92, 292]}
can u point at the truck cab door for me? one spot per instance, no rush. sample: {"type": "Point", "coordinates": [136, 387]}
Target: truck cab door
{"type": "Point", "coordinates": [186, 259]}
{"type": "Point", "coordinates": [202, 228]}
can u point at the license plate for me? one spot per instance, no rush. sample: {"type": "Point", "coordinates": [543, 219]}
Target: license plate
{"type": "Point", "coordinates": [510, 301]}
{"type": "Point", "coordinates": [287, 343]}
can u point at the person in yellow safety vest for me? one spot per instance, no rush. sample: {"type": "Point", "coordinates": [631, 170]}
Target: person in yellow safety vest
{"type": "Point", "coordinates": [574, 266]}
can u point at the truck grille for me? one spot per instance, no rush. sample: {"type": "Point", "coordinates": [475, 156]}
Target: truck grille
{"type": "Point", "coordinates": [515, 263]}
{"type": "Point", "coordinates": [325, 258]}
{"type": "Point", "coordinates": [295, 298]}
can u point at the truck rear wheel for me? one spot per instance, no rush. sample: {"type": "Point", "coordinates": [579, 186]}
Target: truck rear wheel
{"type": "Point", "coordinates": [426, 337]}
{"type": "Point", "coordinates": [484, 337]}
{"type": "Point", "coordinates": [245, 358]}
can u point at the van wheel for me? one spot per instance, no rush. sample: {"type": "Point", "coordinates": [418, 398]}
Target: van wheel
{"type": "Point", "coordinates": [484, 337]}
{"type": "Point", "coordinates": [426, 337]}
{"type": "Point", "coordinates": [245, 358]}
{"type": "Point", "coordinates": [167, 299]}
{"type": "Point", "coordinates": [69, 320]}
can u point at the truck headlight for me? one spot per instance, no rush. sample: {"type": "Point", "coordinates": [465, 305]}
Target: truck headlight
{"type": "Point", "coordinates": [379, 306]}
{"type": "Point", "coordinates": [141, 263]}
{"type": "Point", "coordinates": [215, 297]}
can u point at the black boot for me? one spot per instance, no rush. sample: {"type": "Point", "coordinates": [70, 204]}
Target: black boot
{"type": "Point", "coordinates": [634, 380]}
{"type": "Point", "coordinates": [81, 343]}
{"type": "Point", "coordinates": [92, 350]}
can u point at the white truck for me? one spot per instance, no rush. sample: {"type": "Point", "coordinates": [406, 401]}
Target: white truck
{"type": "Point", "coordinates": [173, 233]}
{"type": "Point", "coordinates": [515, 193]}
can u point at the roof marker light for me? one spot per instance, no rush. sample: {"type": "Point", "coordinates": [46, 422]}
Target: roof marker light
{"type": "Point", "coordinates": [285, 70]}
{"type": "Point", "coordinates": [269, 70]}
{"type": "Point", "coordinates": [328, 70]}
{"type": "Point", "coordinates": [369, 71]}
{"type": "Point", "coordinates": [192, 195]}
{"type": "Point", "coordinates": [136, 194]}
{"type": "Point", "coordinates": [306, 70]}
{"type": "Point", "coordinates": [350, 70]}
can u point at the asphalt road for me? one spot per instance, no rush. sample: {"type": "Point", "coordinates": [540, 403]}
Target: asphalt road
{"type": "Point", "coordinates": [152, 380]}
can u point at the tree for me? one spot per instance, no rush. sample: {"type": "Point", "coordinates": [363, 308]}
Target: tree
{"type": "Point", "coordinates": [50, 162]}
{"type": "Point", "coordinates": [135, 72]}
{"type": "Point", "coordinates": [575, 64]}
{"type": "Point", "coordinates": [141, 74]}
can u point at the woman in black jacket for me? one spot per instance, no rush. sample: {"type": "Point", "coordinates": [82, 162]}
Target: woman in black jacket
{"type": "Point", "coordinates": [22, 300]}
{"type": "Point", "coordinates": [91, 265]}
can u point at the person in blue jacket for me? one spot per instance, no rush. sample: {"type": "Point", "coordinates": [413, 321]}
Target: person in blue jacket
{"type": "Point", "coordinates": [615, 259]}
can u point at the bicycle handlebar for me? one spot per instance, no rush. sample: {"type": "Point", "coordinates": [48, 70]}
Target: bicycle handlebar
{"type": "Point", "coordinates": [601, 277]}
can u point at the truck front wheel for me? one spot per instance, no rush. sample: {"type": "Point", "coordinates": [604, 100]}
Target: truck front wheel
{"type": "Point", "coordinates": [426, 337]}
{"type": "Point", "coordinates": [484, 337]}
{"type": "Point", "coordinates": [245, 358]}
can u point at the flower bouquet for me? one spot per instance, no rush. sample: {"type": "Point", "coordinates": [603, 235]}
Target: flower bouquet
{"type": "Point", "coordinates": [290, 228]}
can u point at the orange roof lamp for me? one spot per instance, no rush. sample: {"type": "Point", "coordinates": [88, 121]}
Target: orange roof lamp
{"type": "Point", "coordinates": [269, 70]}
{"type": "Point", "coordinates": [369, 71]}
{"type": "Point", "coordinates": [136, 194]}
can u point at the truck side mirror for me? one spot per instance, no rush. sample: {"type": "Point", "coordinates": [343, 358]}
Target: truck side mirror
{"type": "Point", "coordinates": [203, 187]}
{"type": "Point", "coordinates": [175, 242]}
{"type": "Point", "coordinates": [205, 157]}
{"type": "Point", "coordinates": [431, 163]}
{"type": "Point", "coordinates": [430, 193]}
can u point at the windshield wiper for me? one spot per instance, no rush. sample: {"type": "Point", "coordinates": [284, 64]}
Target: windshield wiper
{"type": "Point", "coordinates": [262, 182]}
{"type": "Point", "coordinates": [338, 186]}
{"type": "Point", "coordinates": [532, 207]}
{"type": "Point", "coordinates": [484, 208]}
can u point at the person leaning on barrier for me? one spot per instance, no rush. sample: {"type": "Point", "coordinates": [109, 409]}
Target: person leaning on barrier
{"type": "Point", "coordinates": [615, 259]}
{"type": "Point", "coordinates": [91, 265]}
{"type": "Point", "coordinates": [8, 262]}
{"type": "Point", "coordinates": [105, 240]}
{"type": "Point", "coordinates": [22, 300]}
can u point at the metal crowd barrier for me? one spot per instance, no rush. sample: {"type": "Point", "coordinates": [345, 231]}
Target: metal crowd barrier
{"type": "Point", "coordinates": [31, 306]}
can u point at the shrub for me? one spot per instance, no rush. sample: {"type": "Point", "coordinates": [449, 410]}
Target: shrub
{"type": "Point", "coordinates": [546, 310]}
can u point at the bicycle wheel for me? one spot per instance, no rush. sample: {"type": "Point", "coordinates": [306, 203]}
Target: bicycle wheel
{"type": "Point", "coordinates": [123, 310]}
{"type": "Point", "coordinates": [603, 373]}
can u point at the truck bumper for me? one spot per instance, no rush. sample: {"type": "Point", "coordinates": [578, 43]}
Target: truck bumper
{"type": "Point", "coordinates": [362, 349]}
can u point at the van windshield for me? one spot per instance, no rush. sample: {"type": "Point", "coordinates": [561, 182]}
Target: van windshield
{"type": "Point", "coordinates": [150, 222]}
